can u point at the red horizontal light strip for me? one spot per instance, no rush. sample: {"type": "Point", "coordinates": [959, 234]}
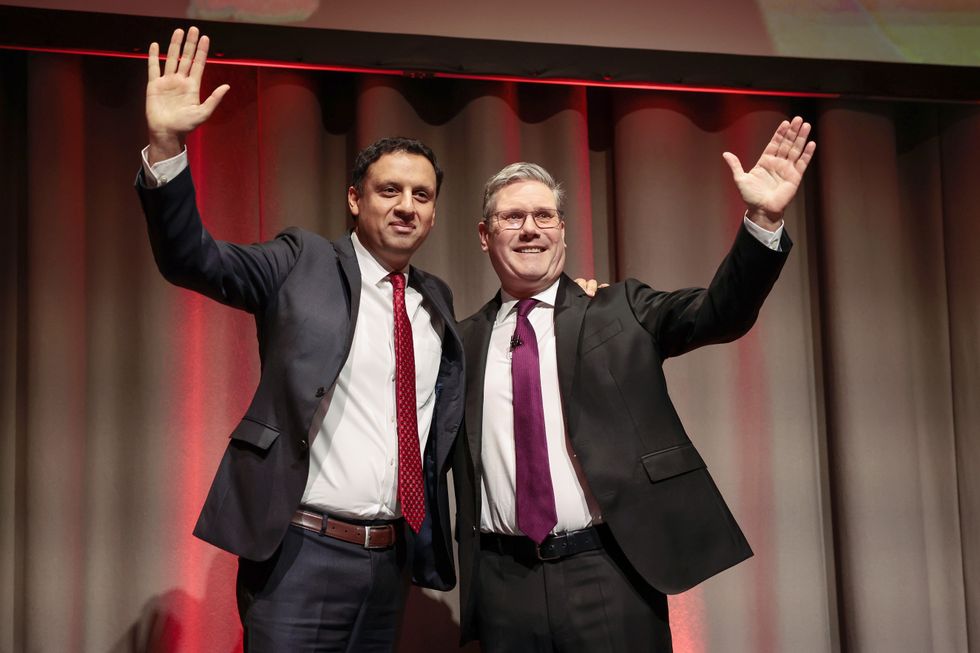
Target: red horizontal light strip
{"type": "Point", "coordinates": [216, 58]}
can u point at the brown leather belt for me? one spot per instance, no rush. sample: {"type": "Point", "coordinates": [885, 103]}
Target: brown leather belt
{"type": "Point", "coordinates": [382, 536]}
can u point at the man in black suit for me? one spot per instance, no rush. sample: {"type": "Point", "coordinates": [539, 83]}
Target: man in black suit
{"type": "Point", "coordinates": [581, 501]}
{"type": "Point", "coordinates": [333, 488]}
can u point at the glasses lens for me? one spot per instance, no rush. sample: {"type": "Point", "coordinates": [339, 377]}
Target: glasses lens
{"type": "Point", "coordinates": [512, 219]}
{"type": "Point", "coordinates": [546, 218]}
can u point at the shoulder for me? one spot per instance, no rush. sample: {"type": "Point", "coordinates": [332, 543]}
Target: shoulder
{"type": "Point", "coordinates": [433, 283]}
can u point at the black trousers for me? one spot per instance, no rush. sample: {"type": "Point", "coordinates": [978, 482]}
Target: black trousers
{"type": "Point", "coordinates": [591, 602]}
{"type": "Point", "coordinates": [318, 593]}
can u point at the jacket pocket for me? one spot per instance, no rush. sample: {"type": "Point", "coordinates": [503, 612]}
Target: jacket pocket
{"type": "Point", "coordinates": [675, 461]}
{"type": "Point", "coordinates": [256, 434]}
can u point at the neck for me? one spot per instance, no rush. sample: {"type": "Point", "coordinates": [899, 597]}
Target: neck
{"type": "Point", "coordinates": [524, 291]}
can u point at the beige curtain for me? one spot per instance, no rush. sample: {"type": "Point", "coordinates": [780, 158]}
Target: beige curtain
{"type": "Point", "coordinates": [843, 430]}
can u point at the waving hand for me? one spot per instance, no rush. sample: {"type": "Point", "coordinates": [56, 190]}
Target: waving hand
{"type": "Point", "coordinates": [173, 104]}
{"type": "Point", "coordinates": [770, 185]}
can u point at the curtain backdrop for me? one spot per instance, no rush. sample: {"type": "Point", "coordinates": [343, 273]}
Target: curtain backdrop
{"type": "Point", "coordinates": [844, 430]}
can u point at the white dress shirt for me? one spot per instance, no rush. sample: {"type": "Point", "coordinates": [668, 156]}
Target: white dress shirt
{"type": "Point", "coordinates": [354, 434]}
{"type": "Point", "coordinates": [354, 451]}
{"type": "Point", "coordinates": [574, 503]}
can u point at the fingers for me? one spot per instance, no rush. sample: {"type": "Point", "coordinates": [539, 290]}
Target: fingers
{"type": "Point", "coordinates": [209, 105]}
{"type": "Point", "coordinates": [190, 62]}
{"type": "Point", "coordinates": [153, 62]}
{"type": "Point", "coordinates": [190, 45]}
{"type": "Point", "coordinates": [772, 148]}
{"type": "Point", "coordinates": [588, 286]}
{"type": "Point", "coordinates": [200, 58]}
{"type": "Point", "coordinates": [173, 52]}
{"type": "Point", "coordinates": [788, 136]}
{"type": "Point", "coordinates": [733, 163]}
{"type": "Point", "coordinates": [805, 157]}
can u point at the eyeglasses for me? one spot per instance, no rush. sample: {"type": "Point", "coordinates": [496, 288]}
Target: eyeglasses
{"type": "Point", "coordinates": [514, 218]}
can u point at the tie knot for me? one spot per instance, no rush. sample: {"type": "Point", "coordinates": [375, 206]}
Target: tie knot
{"type": "Point", "coordinates": [525, 305]}
{"type": "Point", "coordinates": [397, 280]}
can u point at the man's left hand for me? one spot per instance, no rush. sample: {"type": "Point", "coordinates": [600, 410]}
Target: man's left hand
{"type": "Point", "coordinates": [768, 188]}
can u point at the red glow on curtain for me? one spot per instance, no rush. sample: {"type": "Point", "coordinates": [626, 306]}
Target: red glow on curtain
{"type": "Point", "coordinates": [191, 633]}
{"type": "Point", "coordinates": [687, 626]}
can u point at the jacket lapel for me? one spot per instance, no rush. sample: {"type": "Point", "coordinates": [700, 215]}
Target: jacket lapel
{"type": "Point", "coordinates": [452, 343]}
{"type": "Point", "coordinates": [352, 276]}
{"type": "Point", "coordinates": [570, 305]}
{"type": "Point", "coordinates": [476, 341]}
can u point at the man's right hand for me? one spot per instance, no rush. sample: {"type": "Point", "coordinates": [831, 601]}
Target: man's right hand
{"type": "Point", "coordinates": [173, 99]}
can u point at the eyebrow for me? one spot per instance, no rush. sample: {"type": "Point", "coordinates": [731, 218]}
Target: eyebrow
{"type": "Point", "coordinates": [390, 182]}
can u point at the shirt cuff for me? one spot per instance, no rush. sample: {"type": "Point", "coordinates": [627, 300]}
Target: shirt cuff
{"type": "Point", "coordinates": [161, 172]}
{"type": "Point", "coordinates": [768, 238]}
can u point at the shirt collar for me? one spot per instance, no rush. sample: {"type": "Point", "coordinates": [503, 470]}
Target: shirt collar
{"type": "Point", "coordinates": [547, 297]}
{"type": "Point", "coordinates": [373, 271]}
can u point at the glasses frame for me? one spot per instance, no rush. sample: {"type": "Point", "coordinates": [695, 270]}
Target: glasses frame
{"type": "Point", "coordinates": [505, 226]}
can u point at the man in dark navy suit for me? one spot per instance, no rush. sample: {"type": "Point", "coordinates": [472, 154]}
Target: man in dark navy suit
{"type": "Point", "coordinates": [333, 487]}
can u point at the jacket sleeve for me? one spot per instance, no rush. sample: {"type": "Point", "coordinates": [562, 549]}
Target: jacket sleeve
{"type": "Point", "coordinates": [242, 276]}
{"type": "Point", "coordinates": [684, 320]}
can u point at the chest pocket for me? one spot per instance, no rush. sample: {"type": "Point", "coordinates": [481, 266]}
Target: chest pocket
{"type": "Point", "coordinates": [256, 434]}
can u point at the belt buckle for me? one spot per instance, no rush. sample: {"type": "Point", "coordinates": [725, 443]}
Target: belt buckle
{"type": "Point", "coordinates": [380, 528]}
{"type": "Point", "coordinates": [537, 552]}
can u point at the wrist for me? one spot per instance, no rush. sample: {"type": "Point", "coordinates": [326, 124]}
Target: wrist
{"type": "Point", "coordinates": [765, 219]}
{"type": "Point", "coordinates": [164, 146]}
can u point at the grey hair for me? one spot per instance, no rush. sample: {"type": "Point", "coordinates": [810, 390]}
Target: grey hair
{"type": "Point", "coordinates": [514, 173]}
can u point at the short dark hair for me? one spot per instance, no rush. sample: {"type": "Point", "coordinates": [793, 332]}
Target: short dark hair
{"type": "Point", "coordinates": [366, 157]}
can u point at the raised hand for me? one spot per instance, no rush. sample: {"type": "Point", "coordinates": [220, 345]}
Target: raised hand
{"type": "Point", "coordinates": [173, 99]}
{"type": "Point", "coordinates": [770, 185]}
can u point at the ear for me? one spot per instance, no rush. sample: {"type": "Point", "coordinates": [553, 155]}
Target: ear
{"type": "Point", "coordinates": [352, 201]}
{"type": "Point", "coordinates": [481, 227]}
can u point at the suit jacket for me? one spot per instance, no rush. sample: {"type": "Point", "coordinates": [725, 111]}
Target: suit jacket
{"type": "Point", "coordinates": [303, 291]}
{"type": "Point", "coordinates": [655, 493]}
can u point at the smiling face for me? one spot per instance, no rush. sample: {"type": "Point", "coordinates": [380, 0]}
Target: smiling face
{"type": "Point", "coordinates": [529, 259]}
{"type": "Point", "coordinates": [397, 207]}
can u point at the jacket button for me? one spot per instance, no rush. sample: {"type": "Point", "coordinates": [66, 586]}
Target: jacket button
{"type": "Point", "coordinates": [303, 445]}
{"type": "Point", "coordinates": [320, 391]}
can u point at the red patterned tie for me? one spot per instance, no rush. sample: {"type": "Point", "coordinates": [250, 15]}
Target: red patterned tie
{"type": "Point", "coordinates": [410, 492]}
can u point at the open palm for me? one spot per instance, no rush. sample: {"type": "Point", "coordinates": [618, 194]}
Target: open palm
{"type": "Point", "coordinates": [173, 104]}
{"type": "Point", "coordinates": [771, 184]}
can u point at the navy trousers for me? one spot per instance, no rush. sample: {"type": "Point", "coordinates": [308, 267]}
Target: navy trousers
{"type": "Point", "coordinates": [592, 602]}
{"type": "Point", "coordinates": [320, 594]}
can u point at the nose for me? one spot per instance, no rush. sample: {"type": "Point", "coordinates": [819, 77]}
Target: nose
{"type": "Point", "coordinates": [406, 204]}
{"type": "Point", "coordinates": [529, 228]}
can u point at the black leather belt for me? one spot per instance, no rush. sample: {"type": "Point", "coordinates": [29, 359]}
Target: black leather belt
{"type": "Point", "coordinates": [554, 547]}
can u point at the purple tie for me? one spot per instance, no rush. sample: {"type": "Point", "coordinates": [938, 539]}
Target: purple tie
{"type": "Point", "coordinates": [536, 514]}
